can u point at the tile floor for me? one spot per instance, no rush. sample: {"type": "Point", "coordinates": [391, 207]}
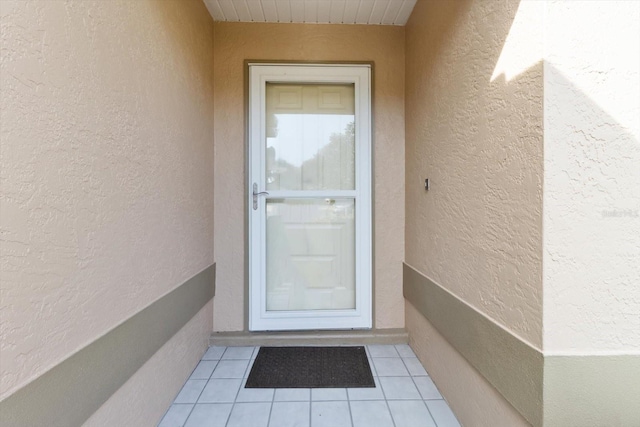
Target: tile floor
{"type": "Point", "coordinates": [214, 396]}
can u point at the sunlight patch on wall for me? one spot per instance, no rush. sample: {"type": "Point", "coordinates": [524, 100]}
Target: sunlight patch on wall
{"type": "Point", "coordinates": [524, 45]}
{"type": "Point", "coordinates": [596, 46]}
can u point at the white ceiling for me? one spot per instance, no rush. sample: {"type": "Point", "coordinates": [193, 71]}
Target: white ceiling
{"type": "Point", "coordinates": [375, 12]}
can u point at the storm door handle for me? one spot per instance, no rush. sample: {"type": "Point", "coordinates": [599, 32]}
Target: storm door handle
{"type": "Point", "coordinates": [257, 193]}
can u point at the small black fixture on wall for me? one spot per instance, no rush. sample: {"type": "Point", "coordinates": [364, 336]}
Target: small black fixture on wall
{"type": "Point", "coordinates": [426, 184]}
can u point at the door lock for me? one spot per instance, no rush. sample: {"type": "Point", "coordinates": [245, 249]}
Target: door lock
{"type": "Point", "coordinates": [257, 193]}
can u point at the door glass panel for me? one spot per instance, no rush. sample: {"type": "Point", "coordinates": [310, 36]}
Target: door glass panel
{"type": "Point", "coordinates": [310, 142]}
{"type": "Point", "coordinates": [310, 254]}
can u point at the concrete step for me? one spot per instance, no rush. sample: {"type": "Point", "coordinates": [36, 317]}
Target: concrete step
{"type": "Point", "coordinates": [299, 338]}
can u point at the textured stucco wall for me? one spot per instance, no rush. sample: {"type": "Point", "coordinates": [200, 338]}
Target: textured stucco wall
{"type": "Point", "coordinates": [478, 137]}
{"type": "Point", "coordinates": [235, 42]}
{"type": "Point", "coordinates": [592, 178]}
{"type": "Point", "coordinates": [106, 168]}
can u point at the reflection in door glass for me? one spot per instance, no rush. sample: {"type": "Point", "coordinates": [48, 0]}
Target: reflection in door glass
{"type": "Point", "coordinates": [310, 254]}
{"type": "Point", "coordinates": [310, 142]}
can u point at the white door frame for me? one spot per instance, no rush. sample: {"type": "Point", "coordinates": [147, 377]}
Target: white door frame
{"type": "Point", "coordinates": [361, 317]}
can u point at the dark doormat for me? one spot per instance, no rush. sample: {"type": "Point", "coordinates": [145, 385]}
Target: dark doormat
{"type": "Point", "coordinates": [310, 367]}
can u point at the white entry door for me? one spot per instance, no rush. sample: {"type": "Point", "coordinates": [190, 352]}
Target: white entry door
{"type": "Point", "coordinates": [309, 197]}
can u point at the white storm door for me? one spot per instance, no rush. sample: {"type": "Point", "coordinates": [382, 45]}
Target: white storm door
{"type": "Point", "coordinates": [309, 197]}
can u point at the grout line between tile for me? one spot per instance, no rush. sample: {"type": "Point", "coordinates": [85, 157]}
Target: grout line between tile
{"type": "Point", "coordinates": [413, 380]}
{"type": "Point", "coordinates": [214, 368]}
{"type": "Point", "coordinates": [235, 399]}
{"type": "Point", "coordinates": [350, 413]}
{"type": "Point", "coordinates": [386, 401]}
{"type": "Point", "coordinates": [271, 409]}
{"type": "Point", "coordinates": [429, 411]}
{"type": "Point", "coordinates": [222, 355]}
{"type": "Point", "coordinates": [187, 419]}
{"type": "Point", "coordinates": [205, 385]}
{"type": "Point", "coordinates": [420, 394]}
{"type": "Point", "coordinates": [196, 402]}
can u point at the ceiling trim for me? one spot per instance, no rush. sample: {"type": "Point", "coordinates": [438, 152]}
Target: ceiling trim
{"type": "Point", "coordinates": [365, 12]}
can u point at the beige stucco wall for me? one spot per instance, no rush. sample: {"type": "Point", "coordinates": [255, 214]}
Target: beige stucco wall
{"type": "Point", "coordinates": [490, 87]}
{"type": "Point", "coordinates": [106, 167]}
{"type": "Point", "coordinates": [478, 137]}
{"type": "Point", "coordinates": [236, 42]}
{"type": "Point", "coordinates": [592, 178]}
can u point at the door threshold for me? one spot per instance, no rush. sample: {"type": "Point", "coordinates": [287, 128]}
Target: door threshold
{"type": "Point", "coordinates": [301, 338]}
